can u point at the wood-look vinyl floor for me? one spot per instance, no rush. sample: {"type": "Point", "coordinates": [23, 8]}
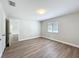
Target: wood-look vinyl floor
{"type": "Point", "coordinates": [40, 48]}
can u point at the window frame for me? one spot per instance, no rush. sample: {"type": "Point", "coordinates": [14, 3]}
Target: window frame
{"type": "Point", "coordinates": [51, 30]}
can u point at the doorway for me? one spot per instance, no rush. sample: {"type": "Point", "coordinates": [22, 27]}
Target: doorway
{"type": "Point", "coordinates": [11, 32]}
{"type": "Point", "coordinates": [7, 32]}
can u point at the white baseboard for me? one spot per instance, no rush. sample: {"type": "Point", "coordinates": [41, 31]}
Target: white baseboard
{"type": "Point", "coordinates": [28, 38]}
{"type": "Point", "coordinates": [74, 45]}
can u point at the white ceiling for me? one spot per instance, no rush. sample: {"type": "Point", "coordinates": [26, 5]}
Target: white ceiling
{"type": "Point", "coordinates": [26, 9]}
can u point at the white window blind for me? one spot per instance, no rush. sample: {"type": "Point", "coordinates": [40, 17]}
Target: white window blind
{"type": "Point", "coordinates": [53, 27]}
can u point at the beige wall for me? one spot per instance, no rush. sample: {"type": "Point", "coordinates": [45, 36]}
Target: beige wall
{"type": "Point", "coordinates": [29, 29]}
{"type": "Point", "coordinates": [26, 29]}
{"type": "Point", "coordinates": [68, 29]}
{"type": "Point", "coordinates": [14, 26]}
{"type": "Point", "coordinates": [14, 30]}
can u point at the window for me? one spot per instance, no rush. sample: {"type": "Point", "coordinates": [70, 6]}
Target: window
{"type": "Point", "coordinates": [53, 27]}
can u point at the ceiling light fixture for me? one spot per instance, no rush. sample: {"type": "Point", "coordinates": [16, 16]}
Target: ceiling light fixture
{"type": "Point", "coordinates": [41, 11]}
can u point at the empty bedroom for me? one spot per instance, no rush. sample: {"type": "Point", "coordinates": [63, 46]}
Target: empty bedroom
{"type": "Point", "coordinates": [39, 28]}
